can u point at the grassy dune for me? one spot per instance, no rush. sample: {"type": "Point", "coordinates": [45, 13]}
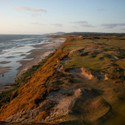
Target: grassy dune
{"type": "Point", "coordinates": [83, 82]}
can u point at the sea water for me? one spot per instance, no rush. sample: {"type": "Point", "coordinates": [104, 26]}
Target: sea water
{"type": "Point", "coordinates": [14, 48]}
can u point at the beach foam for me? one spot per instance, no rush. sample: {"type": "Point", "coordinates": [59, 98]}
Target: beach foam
{"type": "Point", "coordinates": [17, 51]}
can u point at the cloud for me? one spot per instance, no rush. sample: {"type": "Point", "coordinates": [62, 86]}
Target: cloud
{"type": "Point", "coordinates": [30, 9]}
{"type": "Point", "coordinates": [40, 24]}
{"type": "Point", "coordinates": [111, 26]}
{"type": "Point", "coordinates": [57, 25]}
{"type": "Point", "coordinates": [83, 24]}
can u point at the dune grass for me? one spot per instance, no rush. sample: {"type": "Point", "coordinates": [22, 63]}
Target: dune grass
{"type": "Point", "coordinates": [103, 102]}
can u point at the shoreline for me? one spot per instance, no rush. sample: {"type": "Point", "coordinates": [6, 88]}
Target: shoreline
{"type": "Point", "coordinates": [41, 51]}
{"type": "Point", "coordinates": [35, 56]}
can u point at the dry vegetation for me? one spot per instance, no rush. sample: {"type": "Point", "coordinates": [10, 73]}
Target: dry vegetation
{"type": "Point", "coordinates": [83, 82]}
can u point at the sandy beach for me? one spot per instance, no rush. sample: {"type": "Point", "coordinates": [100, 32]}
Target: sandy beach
{"type": "Point", "coordinates": [35, 56]}
{"type": "Point", "coordinates": [38, 54]}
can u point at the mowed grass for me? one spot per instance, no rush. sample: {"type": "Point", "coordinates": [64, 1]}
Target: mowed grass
{"type": "Point", "coordinates": [88, 62]}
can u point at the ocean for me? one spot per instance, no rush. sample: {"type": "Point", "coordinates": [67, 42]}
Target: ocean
{"type": "Point", "coordinates": [14, 48]}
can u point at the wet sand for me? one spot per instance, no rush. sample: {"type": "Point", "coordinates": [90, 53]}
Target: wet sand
{"type": "Point", "coordinates": [4, 87]}
{"type": "Point", "coordinates": [4, 62]}
{"type": "Point", "coordinates": [3, 70]}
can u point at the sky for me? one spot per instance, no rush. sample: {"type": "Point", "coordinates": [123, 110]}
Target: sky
{"type": "Point", "coordinates": [48, 16]}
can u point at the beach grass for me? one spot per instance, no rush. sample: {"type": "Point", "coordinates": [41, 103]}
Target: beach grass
{"type": "Point", "coordinates": [101, 97]}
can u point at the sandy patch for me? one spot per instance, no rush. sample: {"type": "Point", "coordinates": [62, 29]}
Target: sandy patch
{"type": "Point", "coordinates": [4, 88]}
{"type": "Point", "coordinates": [4, 69]}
